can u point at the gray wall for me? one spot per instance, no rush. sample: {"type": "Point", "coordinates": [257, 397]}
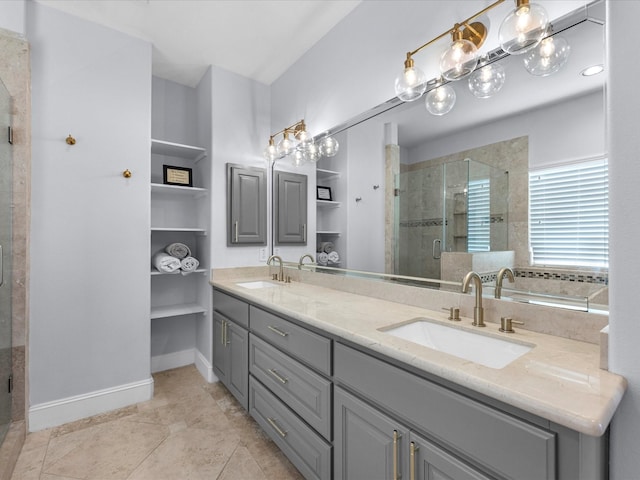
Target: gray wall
{"type": "Point", "coordinates": [89, 308]}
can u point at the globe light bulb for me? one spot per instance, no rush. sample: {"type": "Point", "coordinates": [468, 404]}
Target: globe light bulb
{"type": "Point", "coordinates": [524, 28]}
{"type": "Point", "coordinates": [441, 100]}
{"type": "Point", "coordinates": [487, 81]}
{"type": "Point", "coordinates": [298, 158]}
{"type": "Point", "coordinates": [460, 59]}
{"type": "Point", "coordinates": [270, 152]}
{"type": "Point", "coordinates": [329, 147]}
{"type": "Point", "coordinates": [411, 83]}
{"type": "Point", "coordinates": [549, 57]}
{"type": "Point", "coordinates": [312, 154]}
{"type": "Point", "coordinates": [285, 146]}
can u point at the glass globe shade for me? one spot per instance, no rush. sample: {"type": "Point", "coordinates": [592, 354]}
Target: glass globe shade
{"type": "Point", "coordinates": [459, 60]}
{"type": "Point", "coordinates": [410, 84]}
{"type": "Point", "coordinates": [270, 153]}
{"type": "Point", "coordinates": [523, 29]}
{"type": "Point", "coordinates": [312, 154]}
{"type": "Point", "coordinates": [487, 81]}
{"type": "Point", "coordinates": [441, 100]}
{"type": "Point", "coordinates": [285, 146]}
{"type": "Point", "coordinates": [298, 158]}
{"type": "Point", "coordinates": [329, 147]}
{"type": "Point", "coordinates": [549, 57]}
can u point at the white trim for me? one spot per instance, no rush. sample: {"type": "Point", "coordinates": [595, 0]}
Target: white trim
{"type": "Point", "coordinates": [51, 414]}
{"type": "Point", "coordinates": [205, 368]}
{"type": "Point", "coordinates": [168, 361]}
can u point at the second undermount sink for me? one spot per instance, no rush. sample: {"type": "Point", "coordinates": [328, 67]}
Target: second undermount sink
{"type": "Point", "coordinates": [486, 350]}
{"type": "Point", "coordinates": [256, 284]}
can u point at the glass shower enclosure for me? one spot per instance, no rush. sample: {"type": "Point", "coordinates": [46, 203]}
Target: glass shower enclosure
{"type": "Point", "coordinates": [459, 206]}
{"type": "Point", "coordinates": [6, 198]}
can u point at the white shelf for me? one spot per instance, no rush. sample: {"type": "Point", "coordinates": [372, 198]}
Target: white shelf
{"type": "Point", "coordinates": [178, 150]}
{"type": "Point", "coordinates": [177, 190]}
{"type": "Point", "coordinates": [175, 310]}
{"type": "Point", "coordinates": [322, 174]}
{"type": "Point", "coordinates": [178, 273]}
{"type": "Point", "coordinates": [328, 232]}
{"type": "Point", "coordinates": [327, 203]}
{"type": "Point", "coordinates": [200, 231]}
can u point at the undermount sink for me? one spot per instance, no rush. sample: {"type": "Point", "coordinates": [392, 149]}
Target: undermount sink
{"type": "Point", "coordinates": [480, 348]}
{"type": "Point", "coordinates": [256, 284]}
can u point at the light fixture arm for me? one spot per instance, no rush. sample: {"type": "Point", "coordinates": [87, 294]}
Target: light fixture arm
{"type": "Point", "coordinates": [457, 26]}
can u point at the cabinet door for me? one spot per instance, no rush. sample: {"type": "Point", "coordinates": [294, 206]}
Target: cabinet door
{"type": "Point", "coordinates": [429, 462]}
{"type": "Point", "coordinates": [291, 208]}
{"type": "Point", "coordinates": [367, 444]}
{"type": "Point", "coordinates": [219, 348]}
{"type": "Point", "coordinates": [246, 205]}
{"type": "Point", "coordinates": [238, 366]}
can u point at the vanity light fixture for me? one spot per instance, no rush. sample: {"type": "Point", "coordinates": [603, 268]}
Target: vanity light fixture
{"type": "Point", "coordinates": [440, 100]}
{"type": "Point", "coordinates": [521, 31]}
{"type": "Point", "coordinates": [592, 70]}
{"type": "Point", "coordinates": [301, 148]}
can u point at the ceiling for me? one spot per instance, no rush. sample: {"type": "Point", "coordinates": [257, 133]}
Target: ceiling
{"type": "Point", "coordinates": [252, 38]}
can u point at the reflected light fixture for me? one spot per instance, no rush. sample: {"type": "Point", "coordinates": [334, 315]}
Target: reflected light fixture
{"type": "Point", "coordinates": [592, 70]}
{"type": "Point", "coordinates": [440, 100]}
{"type": "Point", "coordinates": [487, 81]}
{"type": "Point", "coordinates": [548, 57]}
{"type": "Point", "coordinates": [524, 28]}
{"type": "Point", "coordinates": [302, 148]}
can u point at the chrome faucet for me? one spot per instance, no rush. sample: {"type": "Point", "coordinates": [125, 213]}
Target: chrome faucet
{"type": "Point", "coordinates": [478, 311]}
{"type": "Point", "coordinates": [280, 276]}
{"type": "Point", "coordinates": [307, 255]}
{"type": "Point", "coordinates": [503, 271]}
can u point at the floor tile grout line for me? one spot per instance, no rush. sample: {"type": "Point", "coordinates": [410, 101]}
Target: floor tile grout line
{"type": "Point", "coordinates": [169, 433]}
{"type": "Point", "coordinates": [228, 460]}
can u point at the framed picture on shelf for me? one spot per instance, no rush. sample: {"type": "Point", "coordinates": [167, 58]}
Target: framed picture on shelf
{"type": "Point", "coordinates": [324, 193]}
{"type": "Point", "coordinates": [180, 176]}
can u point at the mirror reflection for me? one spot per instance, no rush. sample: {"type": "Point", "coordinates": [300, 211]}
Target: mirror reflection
{"type": "Point", "coordinates": [494, 183]}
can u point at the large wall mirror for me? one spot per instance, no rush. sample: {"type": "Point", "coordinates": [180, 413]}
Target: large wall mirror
{"type": "Point", "coordinates": [433, 197]}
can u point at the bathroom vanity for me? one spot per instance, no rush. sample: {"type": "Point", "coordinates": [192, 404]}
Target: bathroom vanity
{"type": "Point", "coordinates": [343, 398]}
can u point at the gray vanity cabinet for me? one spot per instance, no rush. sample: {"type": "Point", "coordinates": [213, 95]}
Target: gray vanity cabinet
{"type": "Point", "coordinates": [231, 344]}
{"type": "Point", "coordinates": [290, 215]}
{"type": "Point", "coordinates": [246, 205]}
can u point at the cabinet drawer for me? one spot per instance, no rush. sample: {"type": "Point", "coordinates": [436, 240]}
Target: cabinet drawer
{"type": "Point", "coordinates": [303, 447]}
{"type": "Point", "coordinates": [300, 388]}
{"type": "Point", "coordinates": [311, 348]}
{"type": "Point", "coordinates": [231, 307]}
{"type": "Point", "coordinates": [499, 442]}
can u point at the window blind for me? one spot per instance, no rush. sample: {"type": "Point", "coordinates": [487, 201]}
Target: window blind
{"type": "Point", "coordinates": [569, 215]}
{"type": "Point", "coordinates": [479, 216]}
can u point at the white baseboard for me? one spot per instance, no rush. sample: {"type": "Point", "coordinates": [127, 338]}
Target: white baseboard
{"type": "Point", "coordinates": [205, 368]}
{"type": "Point", "coordinates": [168, 361]}
{"type": "Point", "coordinates": [51, 414]}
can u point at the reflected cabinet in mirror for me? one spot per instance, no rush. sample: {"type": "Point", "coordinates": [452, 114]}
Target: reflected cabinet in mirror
{"type": "Point", "coordinates": [516, 180]}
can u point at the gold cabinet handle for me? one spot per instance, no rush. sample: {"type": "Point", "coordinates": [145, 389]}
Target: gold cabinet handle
{"type": "Point", "coordinates": [235, 231]}
{"type": "Point", "coordinates": [412, 461]}
{"type": "Point", "coordinates": [222, 340]}
{"type": "Point", "coordinates": [278, 331]}
{"type": "Point", "coordinates": [278, 377]}
{"type": "Point", "coordinates": [275, 426]}
{"type": "Point", "coordinates": [396, 437]}
{"type": "Point", "coordinates": [226, 333]}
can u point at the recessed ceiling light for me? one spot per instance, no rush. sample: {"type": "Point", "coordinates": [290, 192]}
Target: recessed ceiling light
{"type": "Point", "coordinates": [592, 70]}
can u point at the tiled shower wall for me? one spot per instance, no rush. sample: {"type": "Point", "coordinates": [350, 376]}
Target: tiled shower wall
{"type": "Point", "coordinates": [15, 74]}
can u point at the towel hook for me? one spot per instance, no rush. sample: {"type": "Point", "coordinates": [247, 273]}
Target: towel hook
{"type": "Point", "coordinates": [127, 173]}
{"type": "Point", "coordinates": [70, 140]}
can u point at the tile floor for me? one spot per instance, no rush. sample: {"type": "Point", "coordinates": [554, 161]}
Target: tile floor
{"type": "Point", "coordinates": [189, 430]}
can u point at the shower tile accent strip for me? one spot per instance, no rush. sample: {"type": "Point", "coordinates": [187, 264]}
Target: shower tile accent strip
{"type": "Point", "coordinates": [601, 279]}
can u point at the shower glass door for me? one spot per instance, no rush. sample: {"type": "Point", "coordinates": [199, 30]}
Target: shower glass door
{"type": "Point", "coordinates": [6, 195]}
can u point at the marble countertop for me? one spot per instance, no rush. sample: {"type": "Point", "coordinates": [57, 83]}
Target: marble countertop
{"type": "Point", "coordinates": [559, 379]}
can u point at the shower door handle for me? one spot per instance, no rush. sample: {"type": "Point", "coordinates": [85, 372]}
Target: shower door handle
{"type": "Point", "coordinates": [437, 255]}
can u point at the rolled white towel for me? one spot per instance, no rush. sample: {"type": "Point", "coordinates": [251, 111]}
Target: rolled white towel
{"type": "Point", "coordinates": [333, 257]}
{"type": "Point", "coordinates": [326, 247]}
{"type": "Point", "coordinates": [188, 265]}
{"type": "Point", "coordinates": [178, 250]}
{"type": "Point", "coordinates": [322, 258]}
{"type": "Point", "coordinates": [165, 263]}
